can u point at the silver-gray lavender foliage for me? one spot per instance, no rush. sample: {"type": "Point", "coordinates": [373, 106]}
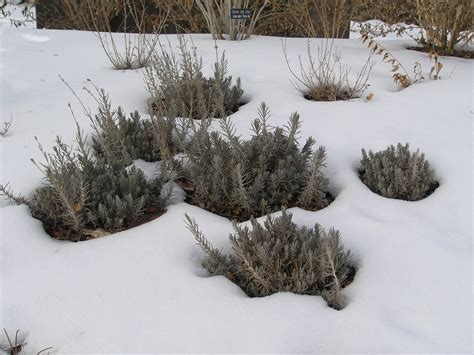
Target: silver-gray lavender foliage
{"type": "Point", "coordinates": [279, 256]}
{"type": "Point", "coordinates": [180, 83]}
{"type": "Point", "coordinates": [118, 137]}
{"type": "Point", "coordinates": [134, 134]}
{"type": "Point", "coordinates": [240, 178]}
{"type": "Point", "coordinates": [86, 196]}
{"type": "Point", "coordinates": [86, 193]}
{"type": "Point", "coordinates": [398, 173]}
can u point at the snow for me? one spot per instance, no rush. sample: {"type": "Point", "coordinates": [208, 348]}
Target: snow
{"type": "Point", "coordinates": [144, 290]}
{"type": "Point", "coordinates": [15, 17]}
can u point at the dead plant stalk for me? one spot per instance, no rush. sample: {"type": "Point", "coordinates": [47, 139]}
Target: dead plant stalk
{"type": "Point", "coordinates": [325, 77]}
{"type": "Point", "coordinates": [137, 47]}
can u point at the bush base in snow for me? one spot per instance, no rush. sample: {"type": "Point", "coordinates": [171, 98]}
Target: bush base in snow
{"type": "Point", "coordinates": [238, 178]}
{"type": "Point", "coordinates": [279, 256]}
{"type": "Point", "coordinates": [398, 173]}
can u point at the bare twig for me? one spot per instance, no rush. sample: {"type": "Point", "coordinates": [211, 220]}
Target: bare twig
{"type": "Point", "coordinates": [6, 127]}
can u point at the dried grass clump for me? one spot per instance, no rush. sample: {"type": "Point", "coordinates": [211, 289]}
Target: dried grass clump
{"type": "Point", "coordinates": [90, 195]}
{"type": "Point", "coordinates": [138, 45]}
{"type": "Point", "coordinates": [282, 257]}
{"type": "Point", "coordinates": [325, 77]}
{"type": "Point", "coordinates": [398, 173]}
{"type": "Point", "coordinates": [238, 178]}
{"type": "Point", "coordinates": [138, 21]}
{"type": "Point", "coordinates": [177, 82]}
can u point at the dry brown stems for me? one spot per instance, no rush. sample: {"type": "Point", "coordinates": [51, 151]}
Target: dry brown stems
{"type": "Point", "coordinates": [325, 77]}
{"type": "Point", "coordinates": [131, 49]}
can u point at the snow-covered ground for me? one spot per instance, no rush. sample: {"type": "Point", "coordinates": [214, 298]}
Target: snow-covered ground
{"type": "Point", "coordinates": [14, 15]}
{"type": "Point", "coordinates": [144, 290]}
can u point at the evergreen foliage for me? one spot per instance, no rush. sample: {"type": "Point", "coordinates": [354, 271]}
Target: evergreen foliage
{"type": "Point", "coordinates": [239, 178]}
{"type": "Point", "coordinates": [279, 256]}
{"type": "Point", "coordinates": [180, 83]}
{"type": "Point", "coordinates": [89, 196]}
{"type": "Point", "coordinates": [398, 173]}
{"type": "Point", "coordinates": [135, 134]}
{"type": "Point", "coordinates": [119, 137]}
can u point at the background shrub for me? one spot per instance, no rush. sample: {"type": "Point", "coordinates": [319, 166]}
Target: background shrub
{"type": "Point", "coordinates": [323, 18]}
{"type": "Point", "coordinates": [277, 20]}
{"type": "Point", "coordinates": [183, 16]}
{"type": "Point", "coordinates": [388, 11]}
{"type": "Point", "coordinates": [282, 257]}
{"type": "Point", "coordinates": [398, 173]}
{"type": "Point", "coordinates": [239, 178]}
{"type": "Point", "coordinates": [101, 15]}
{"type": "Point", "coordinates": [445, 26]}
{"type": "Point", "coordinates": [180, 84]}
{"type": "Point", "coordinates": [445, 23]}
{"type": "Point", "coordinates": [295, 18]}
{"type": "Point", "coordinates": [219, 22]}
